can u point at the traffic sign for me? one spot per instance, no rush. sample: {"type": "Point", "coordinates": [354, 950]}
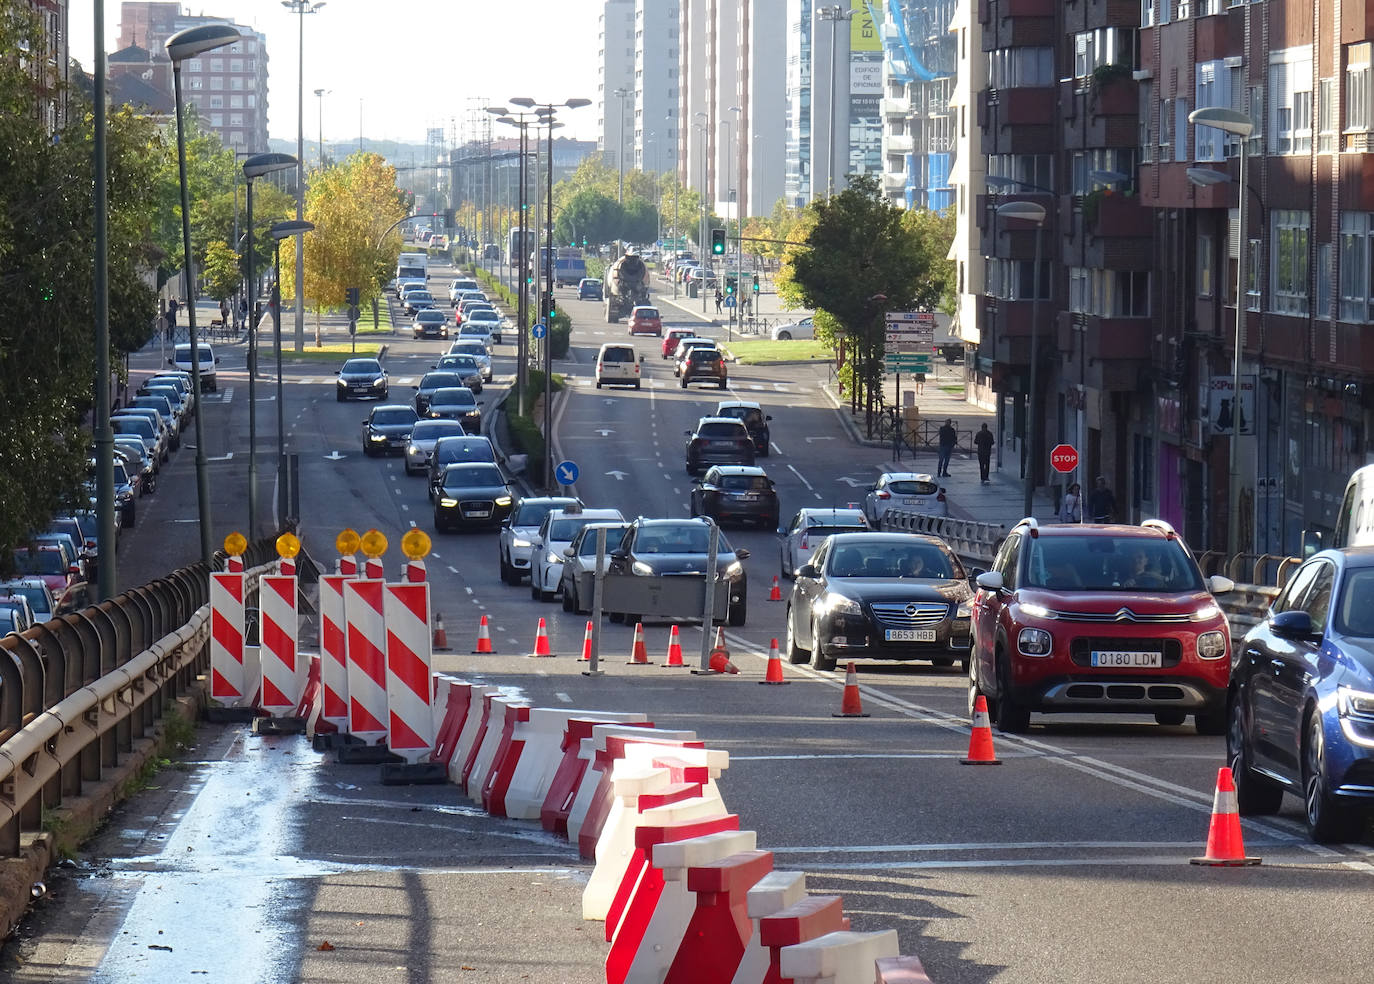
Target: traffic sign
{"type": "Point", "coordinates": [1064, 458]}
{"type": "Point", "coordinates": [906, 362]}
{"type": "Point", "coordinates": [566, 472]}
{"type": "Point", "coordinates": [539, 331]}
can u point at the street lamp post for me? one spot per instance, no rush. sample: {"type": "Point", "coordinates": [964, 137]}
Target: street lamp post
{"type": "Point", "coordinates": [320, 94]}
{"type": "Point", "coordinates": [181, 46]}
{"type": "Point", "coordinates": [1031, 212]}
{"type": "Point", "coordinates": [620, 144]}
{"type": "Point", "coordinates": [834, 15]}
{"type": "Point", "coordinates": [738, 313]}
{"type": "Point", "coordinates": [103, 431]}
{"type": "Point", "coordinates": [301, 8]}
{"type": "Point", "coordinates": [255, 167]}
{"type": "Point", "coordinates": [702, 245]}
{"type": "Point", "coordinates": [279, 231]}
{"type": "Point", "coordinates": [1235, 122]}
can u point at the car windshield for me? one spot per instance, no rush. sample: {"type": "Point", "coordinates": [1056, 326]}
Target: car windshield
{"type": "Point", "coordinates": [452, 450]}
{"type": "Point", "coordinates": [566, 528]}
{"type": "Point", "coordinates": [1355, 609]}
{"type": "Point", "coordinates": [430, 317]}
{"type": "Point", "coordinates": [1106, 563]}
{"type": "Point", "coordinates": [587, 548]}
{"type": "Point", "coordinates": [454, 396]}
{"type": "Point", "coordinates": [912, 487]}
{"type": "Point", "coordinates": [34, 594]}
{"type": "Point", "coordinates": [157, 403]}
{"type": "Point", "coordinates": [38, 561]}
{"type": "Point", "coordinates": [432, 430]}
{"type": "Point", "coordinates": [461, 363]}
{"type": "Point", "coordinates": [183, 354]}
{"type": "Point", "coordinates": [750, 416]}
{"type": "Point", "coordinates": [482, 314]}
{"type": "Point", "coordinates": [472, 478]}
{"type": "Point", "coordinates": [684, 538]}
{"type": "Point", "coordinates": [362, 366]}
{"type": "Point", "coordinates": [826, 529]}
{"type": "Point", "coordinates": [890, 558]}
{"type": "Point", "coordinates": [720, 430]}
{"type": "Point", "coordinates": [745, 483]}
{"type": "Point", "coordinates": [471, 327]}
{"type": "Point", "coordinates": [438, 380]}
{"type": "Point", "coordinates": [533, 513]}
{"type": "Point", "coordinates": [392, 416]}
{"type": "Point", "coordinates": [133, 425]}
{"type": "Point", "coordinates": [618, 355]}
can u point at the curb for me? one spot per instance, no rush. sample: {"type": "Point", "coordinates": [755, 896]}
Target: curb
{"type": "Point", "coordinates": [850, 427]}
{"type": "Point", "coordinates": [490, 429]}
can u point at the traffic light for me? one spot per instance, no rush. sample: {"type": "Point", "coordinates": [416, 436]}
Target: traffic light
{"type": "Point", "coordinates": [717, 242]}
{"type": "Point", "coordinates": [729, 287]}
{"type": "Point", "coordinates": [756, 283]}
{"type": "Point", "coordinates": [353, 296]}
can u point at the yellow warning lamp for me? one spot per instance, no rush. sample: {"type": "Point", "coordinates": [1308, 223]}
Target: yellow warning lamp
{"type": "Point", "coordinates": [415, 544]}
{"type": "Point", "coordinates": [235, 544]}
{"type": "Point", "coordinates": [288, 546]}
{"type": "Point", "coordinates": [347, 542]}
{"type": "Point", "coordinates": [373, 544]}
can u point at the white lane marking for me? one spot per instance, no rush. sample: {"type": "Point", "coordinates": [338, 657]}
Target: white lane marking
{"type": "Point", "coordinates": [564, 698]}
{"type": "Point", "coordinates": [453, 570]}
{"type": "Point", "coordinates": [677, 491]}
{"type": "Point", "coordinates": [774, 445]}
{"type": "Point", "coordinates": [404, 507]}
{"type": "Point", "coordinates": [475, 601]}
{"type": "Point", "coordinates": [1167, 861]}
{"type": "Point", "coordinates": [465, 588]}
{"type": "Point", "coordinates": [980, 846]}
{"type": "Point", "coordinates": [792, 468]}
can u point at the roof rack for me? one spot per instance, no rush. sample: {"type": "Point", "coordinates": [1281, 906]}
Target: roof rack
{"type": "Point", "coordinates": [1162, 525]}
{"type": "Point", "coordinates": [1031, 524]}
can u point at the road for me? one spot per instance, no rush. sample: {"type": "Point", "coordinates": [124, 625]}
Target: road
{"type": "Point", "coordinates": [1067, 864]}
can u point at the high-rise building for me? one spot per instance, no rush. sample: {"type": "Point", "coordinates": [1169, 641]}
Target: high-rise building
{"type": "Point", "coordinates": [918, 122]}
{"type": "Point", "coordinates": [56, 59]}
{"type": "Point", "coordinates": [765, 104]}
{"type": "Point", "coordinates": [615, 82]}
{"type": "Point", "coordinates": [656, 85]}
{"type": "Point", "coordinates": [800, 29]}
{"type": "Point", "coordinates": [966, 181]}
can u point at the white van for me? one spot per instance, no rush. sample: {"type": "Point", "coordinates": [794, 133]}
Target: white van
{"type": "Point", "coordinates": [181, 358]}
{"type": "Point", "coordinates": [617, 363]}
{"type": "Point", "coordinates": [1355, 520]}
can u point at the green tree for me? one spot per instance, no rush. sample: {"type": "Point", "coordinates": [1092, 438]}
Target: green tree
{"type": "Point", "coordinates": [588, 215]}
{"type": "Point", "coordinates": [222, 273]}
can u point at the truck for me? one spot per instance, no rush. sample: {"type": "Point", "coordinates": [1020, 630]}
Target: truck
{"type": "Point", "coordinates": [626, 286]}
{"type": "Point", "coordinates": [410, 268]}
{"type": "Point", "coordinates": [568, 265]}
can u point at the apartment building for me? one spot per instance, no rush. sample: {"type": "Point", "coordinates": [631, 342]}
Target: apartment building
{"type": "Point", "coordinates": [615, 93]}
{"type": "Point", "coordinates": [918, 121]}
{"type": "Point", "coordinates": [656, 85]}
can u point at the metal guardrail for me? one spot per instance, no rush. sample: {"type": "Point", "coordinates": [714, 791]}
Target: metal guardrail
{"type": "Point", "coordinates": [76, 692]}
{"type": "Point", "coordinates": [970, 539]}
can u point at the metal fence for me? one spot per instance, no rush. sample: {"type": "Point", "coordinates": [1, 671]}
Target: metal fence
{"type": "Point", "coordinates": [77, 692]}
{"type": "Point", "coordinates": [971, 540]}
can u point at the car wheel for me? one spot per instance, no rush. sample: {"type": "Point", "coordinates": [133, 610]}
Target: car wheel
{"type": "Point", "coordinates": [438, 523]}
{"type": "Point", "coordinates": [598, 384]}
{"type": "Point", "coordinates": [1327, 821]}
{"type": "Point", "coordinates": [636, 386]}
{"type": "Point", "coordinates": [739, 611]}
{"type": "Point", "coordinates": [818, 658]}
{"type": "Point", "coordinates": [1256, 795]}
{"type": "Point", "coordinates": [534, 584]}
{"type": "Point", "coordinates": [692, 509]}
{"type": "Point", "coordinates": [367, 451]}
{"type": "Point", "coordinates": [616, 617]}
{"type": "Point", "coordinates": [340, 396]}
{"type": "Point", "coordinates": [1170, 718]}
{"type": "Point", "coordinates": [795, 653]}
{"type": "Point", "coordinates": [784, 336]}
{"type": "Point", "coordinates": [1011, 717]}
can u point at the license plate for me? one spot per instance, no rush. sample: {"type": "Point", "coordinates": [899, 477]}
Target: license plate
{"type": "Point", "coordinates": [361, 389]}
{"type": "Point", "coordinates": [750, 497]}
{"type": "Point", "coordinates": [479, 513]}
{"type": "Point", "coordinates": [913, 502]}
{"type": "Point", "coordinates": [1132, 658]}
{"type": "Point", "coordinates": [909, 635]}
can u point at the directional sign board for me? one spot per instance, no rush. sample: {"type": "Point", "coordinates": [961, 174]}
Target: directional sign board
{"type": "Point", "coordinates": [539, 331]}
{"type": "Point", "coordinates": [906, 363]}
{"type": "Point", "coordinates": [566, 472]}
{"type": "Point", "coordinates": [909, 342]}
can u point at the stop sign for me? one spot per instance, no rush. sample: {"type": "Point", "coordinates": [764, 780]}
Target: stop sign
{"type": "Point", "coordinates": [1064, 458]}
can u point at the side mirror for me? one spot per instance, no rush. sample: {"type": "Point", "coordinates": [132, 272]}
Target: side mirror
{"type": "Point", "coordinates": [216, 360]}
{"type": "Point", "coordinates": [364, 421]}
{"type": "Point", "coordinates": [1292, 625]}
{"type": "Point", "coordinates": [1220, 584]}
{"type": "Point", "coordinates": [619, 555]}
{"type": "Point", "coordinates": [337, 371]}
{"type": "Point", "coordinates": [568, 552]}
{"type": "Point", "coordinates": [807, 570]}
{"type": "Point", "coordinates": [991, 581]}
{"type": "Point", "coordinates": [688, 433]}
{"type": "Point", "coordinates": [742, 553]}
{"type": "Point", "coordinates": [1311, 543]}
{"type": "Point", "coordinates": [415, 387]}
{"type": "Point", "coordinates": [435, 366]}
{"type": "Point", "coordinates": [171, 362]}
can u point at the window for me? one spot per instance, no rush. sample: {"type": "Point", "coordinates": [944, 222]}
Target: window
{"type": "Point", "coordinates": [1354, 265]}
{"type": "Point", "coordinates": [235, 102]}
{"type": "Point", "coordinates": [1213, 88]}
{"type": "Point", "coordinates": [1254, 262]}
{"type": "Point", "coordinates": [1147, 13]}
{"type": "Point", "coordinates": [1326, 116]}
{"type": "Point", "coordinates": [193, 65]}
{"type": "Point", "coordinates": [216, 64]}
{"type": "Point", "coordinates": [1323, 310]}
{"type": "Point", "coordinates": [1015, 280]}
{"type": "Point", "coordinates": [1205, 261]}
{"type": "Point", "coordinates": [216, 83]}
{"type": "Point", "coordinates": [1103, 46]}
{"type": "Point", "coordinates": [1289, 272]}
{"type": "Point", "coordinates": [1128, 293]}
{"type": "Point", "coordinates": [1013, 67]}
{"type": "Point", "coordinates": [1166, 128]}
{"type": "Point", "coordinates": [216, 102]}
{"type": "Point", "coordinates": [1256, 113]}
{"type": "Point", "coordinates": [1146, 133]}
{"type": "Point", "coordinates": [1357, 80]}
{"type": "Point", "coordinates": [236, 119]}
{"type": "Point", "coordinates": [1290, 95]}
{"type": "Point", "coordinates": [1036, 169]}
{"type": "Point", "coordinates": [236, 64]}
{"type": "Point", "coordinates": [1122, 160]}
{"type": "Point", "coordinates": [1180, 129]}
{"type": "Point", "coordinates": [217, 119]}
{"type": "Point", "coordinates": [1079, 278]}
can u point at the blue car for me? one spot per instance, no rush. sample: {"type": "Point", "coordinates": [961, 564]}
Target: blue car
{"type": "Point", "coordinates": [1301, 713]}
{"type": "Point", "coordinates": [589, 289]}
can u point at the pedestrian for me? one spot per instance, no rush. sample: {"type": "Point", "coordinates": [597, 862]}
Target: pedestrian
{"type": "Point", "coordinates": [949, 437]}
{"type": "Point", "coordinates": [1071, 508]}
{"type": "Point", "coordinates": [172, 312]}
{"type": "Point", "coordinates": [983, 441]}
{"type": "Point", "coordinates": [719, 299]}
{"type": "Point", "coordinates": [243, 309]}
{"type": "Point", "coordinates": [920, 384]}
{"type": "Point", "coordinates": [1101, 502]}
{"type": "Point", "coordinates": [896, 434]}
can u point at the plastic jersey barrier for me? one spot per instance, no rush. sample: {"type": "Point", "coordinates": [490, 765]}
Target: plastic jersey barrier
{"type": "Point", "coordinates": [567, 779]}
{"type": "Point", "coordinates": [716, 936]}
{"type": "Point", "coordinates": [542, 754]}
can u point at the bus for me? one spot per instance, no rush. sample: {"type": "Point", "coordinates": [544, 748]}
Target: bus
{"type": "Point", "coordinates": [520, 242]}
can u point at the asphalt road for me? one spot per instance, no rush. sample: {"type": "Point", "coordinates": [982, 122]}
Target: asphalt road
{"type": "Point", "coordinates": [1066, 864]}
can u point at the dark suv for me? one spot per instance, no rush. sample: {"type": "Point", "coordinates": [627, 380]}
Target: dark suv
{"type": "Point", "coordinates": [677, 547]}
{"type": "Point", "coordinates": [718, 441]}
{"type": "Point", "coordinates": [704, 365]}
{"type": "Point", "coordinates": [1099, 618]}
{"type": "Point", "coordinates": [755, 421]}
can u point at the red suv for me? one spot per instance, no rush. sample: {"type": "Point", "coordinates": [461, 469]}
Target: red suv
{"type": "Point", "coordinates": [1087, 619]}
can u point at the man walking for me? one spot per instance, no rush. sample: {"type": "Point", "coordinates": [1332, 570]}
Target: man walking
{"type": "Point", "coordinates": [949, 437]}
{"type": "Point", "coordinates": [1101, 501]}
{"type": "Point", "coordinates": [719, 298]}
{"type": "Point", "coordinates": [982, 442]}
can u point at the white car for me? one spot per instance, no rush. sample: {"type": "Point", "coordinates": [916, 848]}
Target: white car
{"type": "Point", "coordinates": [459, 286]}
{"type": "Point", "coordinates": [488, 319]}
{"type": "Point", "coordinates": [555, 534]}
{"type": "Point", "coordinates": [181, 359]}
{"type": "Point", "coordinates": [809, 528]}
{"type": "Point", "coordinates": [477, 331]}
{"type": "Point", "coordinates": [801, 329]}
{"type": "Point", "coordinates": [617, 363]}
{"type": "Point", "coordinates": [519, 531]}
{"type": "Point", "coordinates": [909, 491]}
{"type": "Point", "coordinates": [478, 351]}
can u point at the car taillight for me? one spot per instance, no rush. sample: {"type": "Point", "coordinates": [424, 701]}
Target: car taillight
{"type": "Point", "coordinates": [636, 368]}
{"type": "Point", "coordinates": [598, 365]}
{"type": "Point", "coordinates": [806, 542]}
{"type": "Point", "coordinates": [884, 495]}
{"type": "Point", "coordinates": [941, 496]}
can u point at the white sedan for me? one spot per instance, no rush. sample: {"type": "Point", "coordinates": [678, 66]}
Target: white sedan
{"type": "Point", "coordinates": [801, 329]}
{"type": "Point", "coordinates": [556, 535]}
{"type": "Point", "coordinates": [908, 491]}
{"type": "Point", "coordinates": [809, 528]}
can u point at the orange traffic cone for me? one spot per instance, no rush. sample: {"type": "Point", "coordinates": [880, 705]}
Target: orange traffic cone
{"type": "Point", "coordinates": [483, 638]}
{"type": "Point", "coordinates": [541, 641]}
{"type": "Point", "coordinates": [776, 593]}
{"type": "Point", "coordinates": [720, 661]}
{"type": "Point", "coordinates": [586, 656]}
{"type": "Point", "coordinates": [774, 674]}
{"type": "Point", "coordinates": [1225, 848]}
{"type": "Point", "coordinates": [980, 740]}
{"type": "Point", "coordinates": [674, 650]}
{"type": "Point", "coordinates": [851, 706]}
{"type": "Point", "coordinates": [639, 656]}
{"type": "Point", "coordinates": [440, 636]}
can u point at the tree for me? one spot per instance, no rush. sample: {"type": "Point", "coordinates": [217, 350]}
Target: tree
{"type": "Point", "coordinates": [221, 272]}
{"type": "Point", "coordinates": [588, 215]}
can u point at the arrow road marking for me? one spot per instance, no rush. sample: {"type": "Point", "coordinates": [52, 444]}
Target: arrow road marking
{"type": "Point", "coordinates": [223, 457]}
{"type": "Point", "coordinates": [335, 456]}
{"type": "Point", "coordinates": [605, 433]}
{"type": "Point", "coordinates": [811, 439]}
{"type": "Point", "coordinates": [851, 483]}
{"type": "Point", "coordinates": [619, 475]}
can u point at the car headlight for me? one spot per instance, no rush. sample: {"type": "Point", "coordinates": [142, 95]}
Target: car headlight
{"type": "Point", "coordinates": [1035, 611]}
{"type": "Point", "coordinates": [448, 503]}
{"type": "Point", "coordinates": [379, 381]}
{"type": "Point", "coordinates": [413, 450]}
{"type": "Point", "coordinates": [735, 568]}
{"type": "Point", "coordinates": [503, 500]}
{"type": "Point", "coordinates": [553, 557]}
{"type": "Point", "coordinates": [643, 569]}
{"type": "Point", "coordinates": [376, 437]}
{"type": "Point", "coordinates": [1354, 703]}
{"type": "Point", "coordinates": [1211, 645]}
{"type": "Point", "coordinates": [1206, 613]}
{"type": "Point", "coordinates": [341, 381]}
{"type": "Point", "coordinates": [838, 604]}
{"type": "Point", "coordinates": [964, 611]}
{"type": "Point", "coordinates": [472, 413]}
{"type": "Point", "coordinates": [1034, 642]}
{"type": "Point", "coordinates": [520, 543]}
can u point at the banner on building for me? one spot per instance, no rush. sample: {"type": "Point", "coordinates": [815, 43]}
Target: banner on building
{"type": "Point", "coordinates": [1227, 415]}
{"type": "Point", "coordinates": [864, 31]}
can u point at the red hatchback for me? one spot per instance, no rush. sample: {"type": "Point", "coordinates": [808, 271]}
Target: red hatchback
{"type": "Point", "coordinates": [1081, 618]}
{"type": "Point", "coordinates": [645, 321]}
{"type": "Point", "coordinates": [674, 336]}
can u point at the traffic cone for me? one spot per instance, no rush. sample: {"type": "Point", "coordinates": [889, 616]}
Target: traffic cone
{"type": "Point", "coordinates": [776, 593]}
{"type": "Point", "coordinates": [1225, 848]}
{"type": "Point", "coordinates": [720, 661]}
{"type": "Point", "coordinates": [851, 706]}
{"type": "Point", "coordinates": [774, 673]}
{"type": "Point", "coordinates": [674, 650]}
{"type": "Point", "coordinates": [639, 656]}
{"type": "Point", "coordinates": [541, 641]}
{"type": "Point", "coordinates": [586, 656]}
{"type": "Point", "coordinates": [720, 638]}
{"type": "Point", "coordinates": [440, 636]}
{"type": "Point", "coordinates": [980, 740]}
{"type": "Point", "coordinates": [483, 638]}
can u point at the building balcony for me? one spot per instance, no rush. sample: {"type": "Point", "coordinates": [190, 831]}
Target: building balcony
{"type": "Point", "coordinates": [1110, 215]}
{"type": "Point", "coordinates": [897, 143]}
{"type": "Point", "coordinates": [1017, 121]}
{"type": "Point", "coordinates": [1093, 14]}
{"type": "Point", "coordinates": [893, 106]}
{"type": "Point", "coordinates": [1223, 36]}
{"type": "Point", "coordinates": [1008, 23]}
{"type": "Point", "coordinates": [894, 182]}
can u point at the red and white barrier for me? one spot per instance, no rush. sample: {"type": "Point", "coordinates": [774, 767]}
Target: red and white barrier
{"type": "Point", "coordinates": [347, 565]}
{"type": "Point", "coordinates": [541, 754]}
{"type": "Point", "coordinates": [567, 780]}
{"type": "Point", "coordinates": [233, 565]}
{"type": "Point", "coordinates": [838, 958]}
{"type": "Point", "coordinates": [333, 651]}
{"type": "Point", "coordinates": [374, 569]}
{"type": "Point", "coordinates": [771, 894]}
{"type": "Point", "coordinates": [452, 698]}
{"type": "Point", "coordinates": [502, 713]}
{"type": "Point", "coordinates": [470, 737]}
{"type": "Point", "coordinates": [281, 684]}
{"type": "Point", "coordinates": [900, 970]}
{"type": "Point", "coordinates": [365, 636]}
{"type": "Point", "coordinates": [286, 567]}
{"type": "Point", "coordinates": [509, 751]}
{"type": "Point", "coordinates": [228, 682]}
{"type": "Point", "coordinates": [410, 728]}
{"type": "Point", "coordinates": [719, 931]}
{"type": "Point", "coordinates": [594, 796]}
{"type": "Point", "coordinates": [312, 703]}
{"type": "Point", "coordinates": [413, 572]}
{"type": "Point", "coordinates": [808, 918]}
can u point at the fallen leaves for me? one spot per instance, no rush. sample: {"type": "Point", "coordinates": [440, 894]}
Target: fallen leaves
{"type": "Point", "coordinates": [325, 946]}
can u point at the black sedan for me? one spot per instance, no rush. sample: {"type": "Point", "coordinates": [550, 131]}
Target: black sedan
{"type": "Point", "coordinates": [880, 596]}
{"type": "Point", "coordinates": [456, 403]}
{"type": "Point", "coordinates": [677, 547]}
{"type": "Point", "coordinates": [361, 377]}
{"type": "Point", "coordinates": [387, 428]}
{"type": "Point", "coordinates": [736, 492]}
{"type": "Point", "coordinates": [471, 495]}
{"type": "Point", "coordinates": [431, 381]}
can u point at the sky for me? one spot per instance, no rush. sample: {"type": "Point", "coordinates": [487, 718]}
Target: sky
{"type": "Point", "coordinates": [404, 66]}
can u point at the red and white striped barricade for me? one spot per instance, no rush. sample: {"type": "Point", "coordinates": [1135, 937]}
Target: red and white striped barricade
{"type": "Point", "coordinates": [808, 918]}
{"type": "Point", "coordinates": [286, 567]}
{"type": "Point", "coordinates": [411, 722]}
{"type": "Point", "coordinates": [228, 682]}
{"type": "Point", "coordinates": [281, 690]}
{"type": "Point", "coordinates": [594, 795]}
{"type": "Point", "coordinates": [365, 639]}
{"type": "Point", "coordinates": [374, 569]}
{"type": "Point", "coordinates": [567, 780]}
{"type": "Point", "coordinates": [900, 970]}
{"type": "Point", "coordinates": [838, 958]}
{"type": "Point", "coordinates": [470, 737]}
{"type": "Point", "coordinates": [771, 894]}
{"type": "Point", "coordinates": [719, 931]}
{"type": "Point", "coordinates": [233, 565]}
{"type": "Point", "coordinates": [347, 565]}
{"type": "Point", "coordinates": [662, 935]}
{"type": "Point", "coordinates": [333, 651]}
{"type": "Point", "coordinates": [502, 713]}
{"type": "Point", "coordinates": [452, 698]}
{"type": "Point", "coordinates": [413, 572]}
{"type": "Point", "coordinates": [533, 771]}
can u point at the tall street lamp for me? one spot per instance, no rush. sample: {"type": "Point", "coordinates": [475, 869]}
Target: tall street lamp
{"type": "Point", "coordinates": [834, 15]}
{"type": "Point", "coordinates": [104, 432]}
{"type": "Point", "coordinates": [1236, 122]}
{"type": "Point", "coordinates": [279, 231]}
{"type": "Point", "coordinates": [301, 8]}
{"type": "Point", "coordinates": [255, 167]}
{"type": "Point", "coordinates": [1031, 212]}
{"type": "Point", "coordinates": [702, 244]}
{"type": "Point", "coordinates": [320, 94]}
{"type": "Point", "coordinates": [620, 147]}
{"type": "Point", "coordinates": [181, 46]}
{"type": "Point", "coordinates": [522, 121]}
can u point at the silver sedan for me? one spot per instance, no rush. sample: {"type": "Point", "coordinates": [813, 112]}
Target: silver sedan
{"type": "Point", "coordinates": [809, 528]}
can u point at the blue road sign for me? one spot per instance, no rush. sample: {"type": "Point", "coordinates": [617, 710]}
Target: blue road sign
{"type": "Point", "coordinates": [566, 471]}
{"type": "Point", "coordinates": [539, 330]}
